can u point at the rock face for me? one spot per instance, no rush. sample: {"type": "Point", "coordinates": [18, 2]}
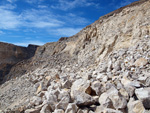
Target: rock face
{"type": "Point", "coordinates": [11, 55]}
{"type": "Point", "coordinates": [105, 68]}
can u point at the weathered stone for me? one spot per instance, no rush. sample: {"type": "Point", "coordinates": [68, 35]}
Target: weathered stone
{"type": "Point", "coordinates": [83, 99]}
{"type": "Point", "coordinates": [140, 62]}
{"type": "Point", "coordinates": [105, 101]}
{"type": "Point", "coordinates": [63, 103]}
{"type": "Point", "coordinates": [117, 100]}
{"type": "Point", "coordinates": [130, 90]}
{"type": "Point", "coordinates": [143, 94]}
{"type": "Point", "coordinates": [51, 100]}
{"type": "Point", "coordinates": [46, 109]}
{"type": "Point", "coordinates": [36, 100]}
{"type": "Point", "coordinates": [135, 106]}
{"type": "Point", "coordinates": [96, 86]}
{"type": "Point", "coordinates": [66, 84]}
{"type": "Point", "coordinates": [80, 85]}
{"type": "Point", "coordinates": [71, 108]}
{"type": "Point", "coordinates": [124, 93]}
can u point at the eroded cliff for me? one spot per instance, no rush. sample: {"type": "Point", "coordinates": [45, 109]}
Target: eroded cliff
{"type": "Point", "coordinates": [11, 55]}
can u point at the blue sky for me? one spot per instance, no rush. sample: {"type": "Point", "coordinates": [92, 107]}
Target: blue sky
{"type": "Point", "coordinates": [24, 22]}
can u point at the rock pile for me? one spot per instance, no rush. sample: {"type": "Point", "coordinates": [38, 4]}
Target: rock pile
{"type": "Point", "coordinates": [119, 84]}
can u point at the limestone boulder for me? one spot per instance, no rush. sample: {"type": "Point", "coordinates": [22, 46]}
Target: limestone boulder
{"type": "Point", "coordinates": [135, 106]}
{"type": "Point", "coordinates": [80, 85]}
{"type": "Point", "coordinates": [143, 94]}
{"type": "Point", "coordinates": [83, 99]}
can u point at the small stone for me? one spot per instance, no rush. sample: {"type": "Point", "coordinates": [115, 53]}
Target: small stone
{"type": "Point", "coordinates": [63, 103]}
{"type": "Point", "coordinates": [32, 111]}
{"type": "Point", "coordinates": [48, 78]}
{"type": "Point", "coordinates": [143, 94]}
{"type": "Point", "coordinates": [39, 89]}
{"type": "Point", "coordinates": [105, 101]}
{"type": "Point", "coordinates": [80, 85]}
{"type": "Point", "coordinates": [59, 111]}
{"type": "Point", "coordinates": [46, 109]}
{"type": "Point", "coordinates": [71, 108]}
{"type": "Point", "coordinates": [96, 86]}
{"type": "Point", "coordinates": [67, 84]}
{"type": "Point", "coordinates": [83, 99]}
{"type": "Point", "coordinates": [105, 78]}
{"type": "Point", "coordinates": [117, 100]}
{"type": "Point", "coordinates": [124, 93]}
{"type": "Point", "coordinates": [36, 100]}
{"type": "Point", "coordinates": [135, 106]}
{"type": "Point", "coordinates": [130, 90]}
{"type": "Point", "coordinates": [140, 62]}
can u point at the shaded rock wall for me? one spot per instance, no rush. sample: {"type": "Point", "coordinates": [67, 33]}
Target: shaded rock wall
{"type": "Point", "coordinates": [11, 54]}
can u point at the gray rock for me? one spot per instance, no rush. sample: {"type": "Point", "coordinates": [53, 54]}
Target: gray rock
{"type": "Point", "coordinates": [96, 86]}
{"type": "Point", "coordinates": [46, 109]}
{"type": "Point", "coordinates": [117, 100]}
{"type": "Point", "coordinates": [143, 94]}
{"type": "Point", "coordinates": [63, 103]}
{"type": "Point", "coordinates": [71, 108]}
{"type": "Point", "coordinates": [105, 101]}
{"type": "Point", "coordinates": [80, 85]}
{"type": "Point", "coordinates": [67, 84]}
{"type": "Point", "coordinates": [83, 99]}
{"type": "Point", "coordinates": [36, 100]}
{"type": "Point", "coordinates": [135, 106]}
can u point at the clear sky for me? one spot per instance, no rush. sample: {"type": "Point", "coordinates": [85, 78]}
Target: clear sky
{"type": "Point", "coordinates": [40, 21]}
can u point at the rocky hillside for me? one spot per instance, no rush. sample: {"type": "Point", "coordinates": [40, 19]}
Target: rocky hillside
{"type": "Point", "coordinates": [102, 69]}
{"type": "Point", "coordinates": [11, 55]}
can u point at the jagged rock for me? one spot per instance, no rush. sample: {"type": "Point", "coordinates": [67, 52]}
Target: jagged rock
{"type": "Point", "coordinates": [105, 101]}
{"type": "Point", "coordinates": [117, 100]}
{"type": "Point", "coordinates": [63, 103]}
{"type": "Point", "coordinates": [83, 99]}
{"type": "Point", "coordinates": [71, 108]}
{"type": "Point", "coordinates": [66, 84]}
{"type": "Point", "coordinates": [96, 86]}
{"type": "Point", "coordinates": [51, 99]}
{"type": "Point", "coordinates": [80, 85]}
{"type": "Point", "coordinates": [124, 93]}
{"type": "Point", "coordinates": [135, 106]}
{"type": "Point", "coordinates": [46, 109]}
{"type": "Point", "coordinates": [143, 94]}
{"type": "Point", "coordinates": [130, 90]}
{"type": "Point", "coordinates": [36, 100]}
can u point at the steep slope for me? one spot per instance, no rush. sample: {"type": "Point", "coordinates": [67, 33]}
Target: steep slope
{"type": "Point", "coordinates": [103, 68]}
{"type": "Point", "coordinates": [11, 55]}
